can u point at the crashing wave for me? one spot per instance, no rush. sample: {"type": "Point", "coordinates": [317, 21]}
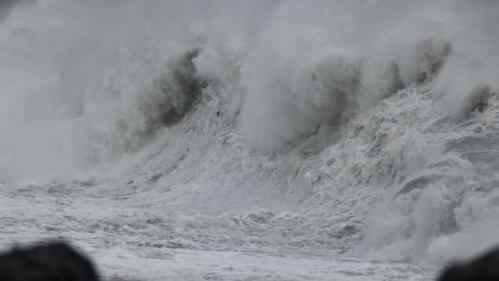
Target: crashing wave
{"type": "Point", "coordinates": [353, 114]}
{"type": "Point", "coordinates": [172, 94]}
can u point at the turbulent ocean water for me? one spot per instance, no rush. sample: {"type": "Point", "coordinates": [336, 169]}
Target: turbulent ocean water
{"type": "Point", "coordinates": [252, 140]}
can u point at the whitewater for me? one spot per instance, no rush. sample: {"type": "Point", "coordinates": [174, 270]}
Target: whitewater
{"type": "Point", "coordinates": [252, 140]}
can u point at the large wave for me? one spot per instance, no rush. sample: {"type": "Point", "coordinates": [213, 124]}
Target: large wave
{"type": "Point", "coordinates": [379, 113]}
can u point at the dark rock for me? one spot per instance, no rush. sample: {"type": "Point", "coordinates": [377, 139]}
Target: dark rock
{"type": "Point", "coordinates": [483, 268]}
{"type": "Point", "coordinates": [52, 261]}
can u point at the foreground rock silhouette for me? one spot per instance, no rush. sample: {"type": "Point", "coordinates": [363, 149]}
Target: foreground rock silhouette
{"type": "Point", "coordinates": [59, 261]}
{"type": "Point", "coordinates": [482, 268]}
{"type": "Point", "coordinates": [49, 261]}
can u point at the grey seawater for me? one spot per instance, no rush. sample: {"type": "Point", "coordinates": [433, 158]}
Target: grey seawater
{"type": "Point", "coordinates": [231, 141]}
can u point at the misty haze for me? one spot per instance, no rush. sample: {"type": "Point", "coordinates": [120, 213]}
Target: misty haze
{"type": "Point", "coordinates": [271, 140]}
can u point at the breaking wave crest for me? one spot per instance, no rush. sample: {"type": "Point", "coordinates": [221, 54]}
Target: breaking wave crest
{"type": "Point", "coordinates": [325, 106]}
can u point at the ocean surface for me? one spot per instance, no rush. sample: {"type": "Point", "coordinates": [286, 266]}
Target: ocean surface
{"type": "Point", "coordinates": [252, 140]}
